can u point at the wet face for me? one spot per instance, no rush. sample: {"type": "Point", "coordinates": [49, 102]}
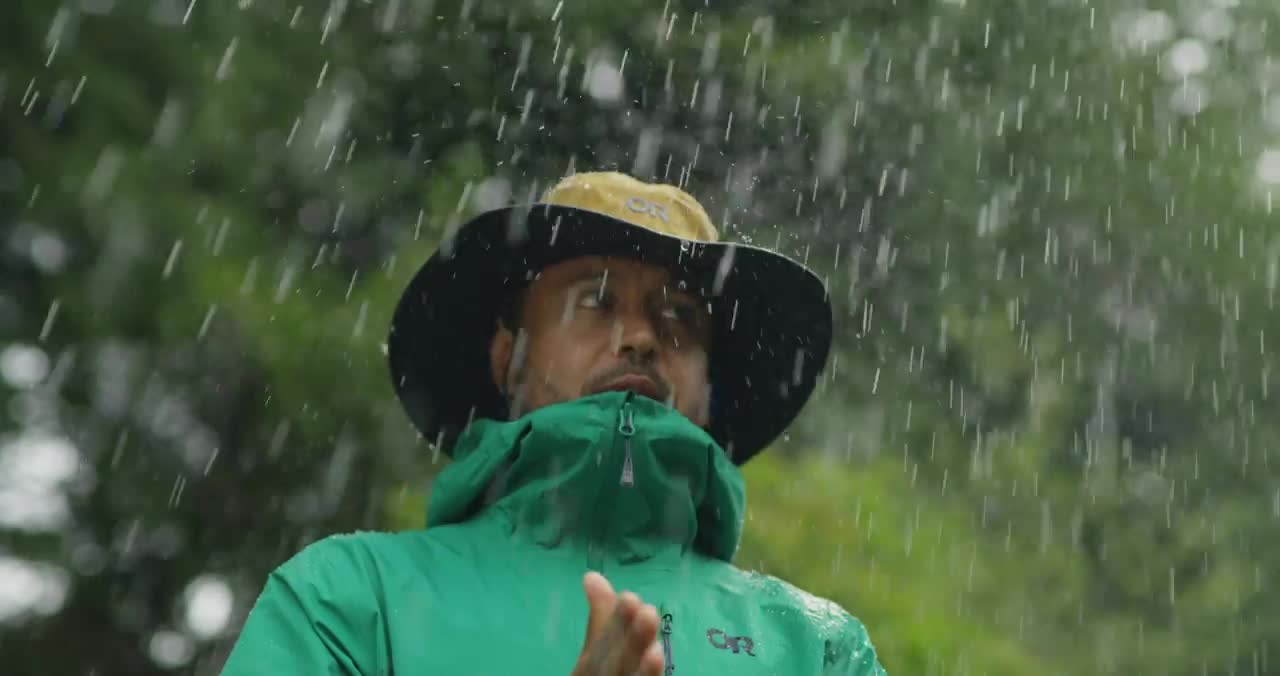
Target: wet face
{"type": "Point", "coordinates": [593, 324]}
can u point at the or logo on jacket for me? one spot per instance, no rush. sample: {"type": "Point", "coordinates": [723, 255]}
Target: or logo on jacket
{"type": "Point", "coordinates": [427, 601]}
{"type": "Point", "coordinates": [737, 644]}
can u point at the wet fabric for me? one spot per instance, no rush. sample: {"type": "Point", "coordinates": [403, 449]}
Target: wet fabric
{"type": "Point", "coordinates": [615, 483]}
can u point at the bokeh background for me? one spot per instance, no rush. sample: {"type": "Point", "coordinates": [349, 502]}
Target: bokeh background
{"type": "Point", "coordinates": [1047, 439]}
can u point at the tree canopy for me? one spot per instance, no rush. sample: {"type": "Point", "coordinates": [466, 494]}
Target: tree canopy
{"type": "Point", "coordinates": [1043, 441]}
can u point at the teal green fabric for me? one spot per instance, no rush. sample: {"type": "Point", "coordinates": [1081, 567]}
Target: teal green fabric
{"type": "Point", "coordinates": [615, 483]}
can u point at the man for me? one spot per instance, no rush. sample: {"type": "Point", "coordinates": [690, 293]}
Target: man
{"type": "Point", "coordinates": [598, 366]}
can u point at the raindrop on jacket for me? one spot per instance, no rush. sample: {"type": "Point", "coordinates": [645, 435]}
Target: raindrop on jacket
{"type": "Point", "coordinates": [615, 483]}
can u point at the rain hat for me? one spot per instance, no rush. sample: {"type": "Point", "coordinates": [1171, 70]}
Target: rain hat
{"type": "Point", "coordinates": [771, 316]}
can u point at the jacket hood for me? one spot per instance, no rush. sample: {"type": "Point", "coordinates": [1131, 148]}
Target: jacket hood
{"type": "Point", "coordinates": [621, 475]}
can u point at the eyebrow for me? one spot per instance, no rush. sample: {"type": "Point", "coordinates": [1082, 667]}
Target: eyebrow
{"type": "Point", "coordinates": [600, 275]}
{"type": "Point", "coordinates": [596, 277]}
{"type": "Point", "coordinates": [594, 272]}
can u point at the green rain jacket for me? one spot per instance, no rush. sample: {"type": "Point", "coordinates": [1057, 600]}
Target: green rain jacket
{"type": "Point", "coordinates": [615, 483]}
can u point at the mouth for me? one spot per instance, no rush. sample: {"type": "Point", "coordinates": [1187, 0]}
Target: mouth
{"type": "Point", "coordinates": [640, 384]}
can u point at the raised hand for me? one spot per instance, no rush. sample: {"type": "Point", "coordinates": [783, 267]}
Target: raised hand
{"type": "Point", "coordinates": [621, 633]}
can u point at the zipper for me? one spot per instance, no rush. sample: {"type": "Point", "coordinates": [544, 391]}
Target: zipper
{"type": "Point", "coordinates": [668, 663]}
{"type": "Point", "coordinates": [627, 427]}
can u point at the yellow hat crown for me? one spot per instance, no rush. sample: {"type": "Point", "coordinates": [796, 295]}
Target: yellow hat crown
{"type": "Point", "coordinates": [663, 208]}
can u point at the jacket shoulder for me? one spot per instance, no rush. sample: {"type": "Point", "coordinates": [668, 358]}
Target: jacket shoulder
{"type": "Point", "coordinates": [357, 543]}
{"type": "Point", "coordinates": [361, 554]}
{"type": "Point", "coordinates": [845, 637]}
{"type": "Point", "coordinates": [822, 613]}
{"type": "Point", "coordinates": [320, 612]}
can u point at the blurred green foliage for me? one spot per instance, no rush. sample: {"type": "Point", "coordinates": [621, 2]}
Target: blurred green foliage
{"type": "Point", "coordinates": [1044, 442]}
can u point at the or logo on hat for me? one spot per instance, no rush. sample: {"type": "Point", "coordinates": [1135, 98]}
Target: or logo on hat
{"type": "Point", "coordinates": [641, 205]}
{"type": "Point", "coordinates": [445, 317]}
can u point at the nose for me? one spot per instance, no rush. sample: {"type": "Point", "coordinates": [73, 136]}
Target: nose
{"type": "Point", "coordinates": [635, 336]}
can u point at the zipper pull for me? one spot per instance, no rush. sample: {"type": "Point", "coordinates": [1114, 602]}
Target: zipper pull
{"type": "Point", "coordinates": [668, 663]}
{"type": "Point", "coordinates": [627, 427]}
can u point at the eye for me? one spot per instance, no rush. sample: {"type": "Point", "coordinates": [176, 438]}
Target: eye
{"type": "Point", "coordinates": [593, 299]}
{"type": "Point", "coordinates": [678, 312]}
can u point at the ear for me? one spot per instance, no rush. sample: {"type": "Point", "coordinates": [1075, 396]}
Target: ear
{"type": "Point", "coordinates": [501, 348]}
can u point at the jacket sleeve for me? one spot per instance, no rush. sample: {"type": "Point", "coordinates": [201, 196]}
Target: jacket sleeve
{"type": "Point", "coordinates": [316, 615]}
{"type": "Point", "coordinates": [851, 653]}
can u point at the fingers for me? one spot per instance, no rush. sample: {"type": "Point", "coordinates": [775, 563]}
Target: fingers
{"type": "Point", "coordinates": [621, 633]}
{"type": "Point", "coordinates": [601, 600]}
{"type": "Point", "coordinates": [651, 662]}
{"type": "Point", "coordinates": [639, 638]}
{"type": "Point", "coordinates": [606, 649]}
{"type": "Point", "coordinates": [608, 653]}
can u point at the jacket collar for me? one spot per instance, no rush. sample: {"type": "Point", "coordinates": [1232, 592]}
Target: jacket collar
{"type": "Point", "coordinates": [556, 476]}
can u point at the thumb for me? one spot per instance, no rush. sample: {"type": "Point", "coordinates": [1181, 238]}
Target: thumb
{"type": "Point", "coordinates": [601, 600]}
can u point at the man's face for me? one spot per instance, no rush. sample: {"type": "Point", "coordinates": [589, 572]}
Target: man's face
{"type": "Point", "coordinates": [593, 324]}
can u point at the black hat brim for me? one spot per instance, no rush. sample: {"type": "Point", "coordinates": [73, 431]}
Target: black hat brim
{"type": "Point", "coordinates": [772, 320]}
